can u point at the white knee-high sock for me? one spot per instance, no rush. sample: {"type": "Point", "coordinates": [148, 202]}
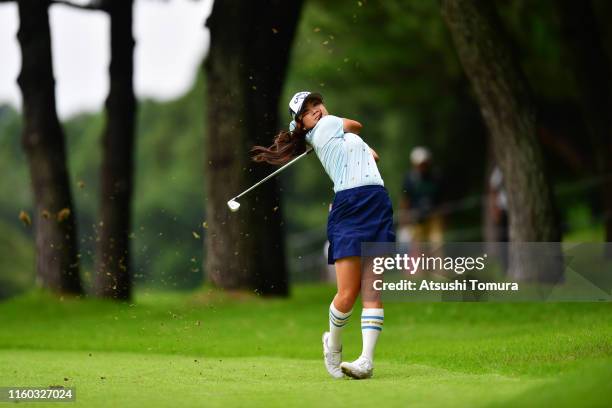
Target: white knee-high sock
{"type": "Point", "coordinates": [371, 326]}
{"type": "Point", "coordinates": [337, 321]}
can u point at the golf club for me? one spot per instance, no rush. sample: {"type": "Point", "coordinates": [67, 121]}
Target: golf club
{"type": "Point", "coordinates": [235, 205]}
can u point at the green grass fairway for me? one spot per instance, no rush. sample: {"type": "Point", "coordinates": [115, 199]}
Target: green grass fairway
{"type": "Point", "coordinates": [212, 349]}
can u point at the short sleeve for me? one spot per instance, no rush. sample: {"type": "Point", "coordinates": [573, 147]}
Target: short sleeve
{"type": "Point", "coordinates": [328, 127]}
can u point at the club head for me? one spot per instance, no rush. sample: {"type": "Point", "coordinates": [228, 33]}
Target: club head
{"type": "Point", "coordinates": [233, 205]}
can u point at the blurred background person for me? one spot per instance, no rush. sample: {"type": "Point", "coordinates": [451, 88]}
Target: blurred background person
{"type": "Point", "coordinates": [497, 206]}
{"type": "Point", "coordinates": [420, 219]}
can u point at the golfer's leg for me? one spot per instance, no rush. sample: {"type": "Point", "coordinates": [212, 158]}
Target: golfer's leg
{"type": "Point", "coordinates": [348, 280]}
{"type": "Point", "coordinates": [372, 315]}
{"type": "Point", "coordinates": [362, 367]}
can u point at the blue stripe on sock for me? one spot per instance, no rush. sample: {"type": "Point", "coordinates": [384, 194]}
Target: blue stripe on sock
{"type": "Point", "coordinates": [338, 318]}
{"type": "Point", "coordinates": [334, 323]}
{"type": "Point", "coordinates": [373, 317]}
{"type": "Point", "coordinates": [371, 327]}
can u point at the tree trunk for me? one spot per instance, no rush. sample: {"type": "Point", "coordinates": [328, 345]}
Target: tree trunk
{"type": "Point", "coordinates": [587, 58]}
{"type": "Point", "coordinates": [113, 271]}
{"type": "Point", "coordinates": [57, 264]}
{"type": "Point", "coordinates": [246, 68]}
{"type": "Point", "coordinates": [509, 112]}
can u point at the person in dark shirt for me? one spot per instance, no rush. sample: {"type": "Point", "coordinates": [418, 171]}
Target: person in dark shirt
{"type": "Point", "coordinates": [419, 218]}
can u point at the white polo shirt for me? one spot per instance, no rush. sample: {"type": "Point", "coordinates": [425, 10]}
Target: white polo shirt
{"type": "Point", "coordinates": [346, 158]}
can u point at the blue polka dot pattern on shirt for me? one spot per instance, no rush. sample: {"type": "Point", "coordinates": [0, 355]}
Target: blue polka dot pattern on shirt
{"type": "Point", "coordinates": [342, 154]}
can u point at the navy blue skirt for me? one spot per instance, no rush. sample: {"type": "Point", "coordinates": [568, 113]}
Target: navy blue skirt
{"type": "Point", "coordinates": [360, 214]}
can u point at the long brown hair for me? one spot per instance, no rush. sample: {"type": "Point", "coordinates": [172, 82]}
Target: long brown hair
{"type": "Point", "coordinates": [285, 147]}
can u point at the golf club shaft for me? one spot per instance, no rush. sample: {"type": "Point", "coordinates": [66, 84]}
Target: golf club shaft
{"type": "Point", "coordinates": [273, 174]}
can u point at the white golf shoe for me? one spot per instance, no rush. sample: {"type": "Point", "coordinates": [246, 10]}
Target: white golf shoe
{"type": "Point", "coordinates": [359, 369]}
{"type": "Point", "coordinates": [332, 359]}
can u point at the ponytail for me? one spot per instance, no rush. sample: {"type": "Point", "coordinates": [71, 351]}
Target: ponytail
{"type": "Point", "coordinates": [286, 146]}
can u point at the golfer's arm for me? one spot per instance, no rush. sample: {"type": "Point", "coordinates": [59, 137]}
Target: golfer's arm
{"type": "Point", "coordinates": [376, 156]}
{"type": "Point", "coordinates": [351, 126]}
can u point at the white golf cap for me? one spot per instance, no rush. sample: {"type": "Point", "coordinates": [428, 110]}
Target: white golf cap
{"type": "Point", "coordinates": [420, 155]}
{"type": "Point", "coordinates": [297, 102]}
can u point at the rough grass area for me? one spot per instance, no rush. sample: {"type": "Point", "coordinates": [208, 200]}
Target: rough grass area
{"type": "Point", "coordinates": [212, 349]}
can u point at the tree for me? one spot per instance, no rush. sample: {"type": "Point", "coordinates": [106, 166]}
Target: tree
{"type": "Point", "coordinates": [112, 260]}
{"type": "Point", "coordinates": [113, 272]}
{"type": "Point", "coordinates": [509, 112]}
{"type": "Point", "coordinates": [587, 58]}
{"type": "Point", "coordinates": [245, 68]}
{"type": "Point", "coordinates": [57, 263]}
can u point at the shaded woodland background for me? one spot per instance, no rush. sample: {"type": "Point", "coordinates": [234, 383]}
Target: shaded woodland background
{"type": "Point", "coordinates": [406, 70]}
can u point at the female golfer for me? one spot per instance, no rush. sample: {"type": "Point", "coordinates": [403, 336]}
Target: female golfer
{"type": "Point", "coordinates": [361, 212]}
